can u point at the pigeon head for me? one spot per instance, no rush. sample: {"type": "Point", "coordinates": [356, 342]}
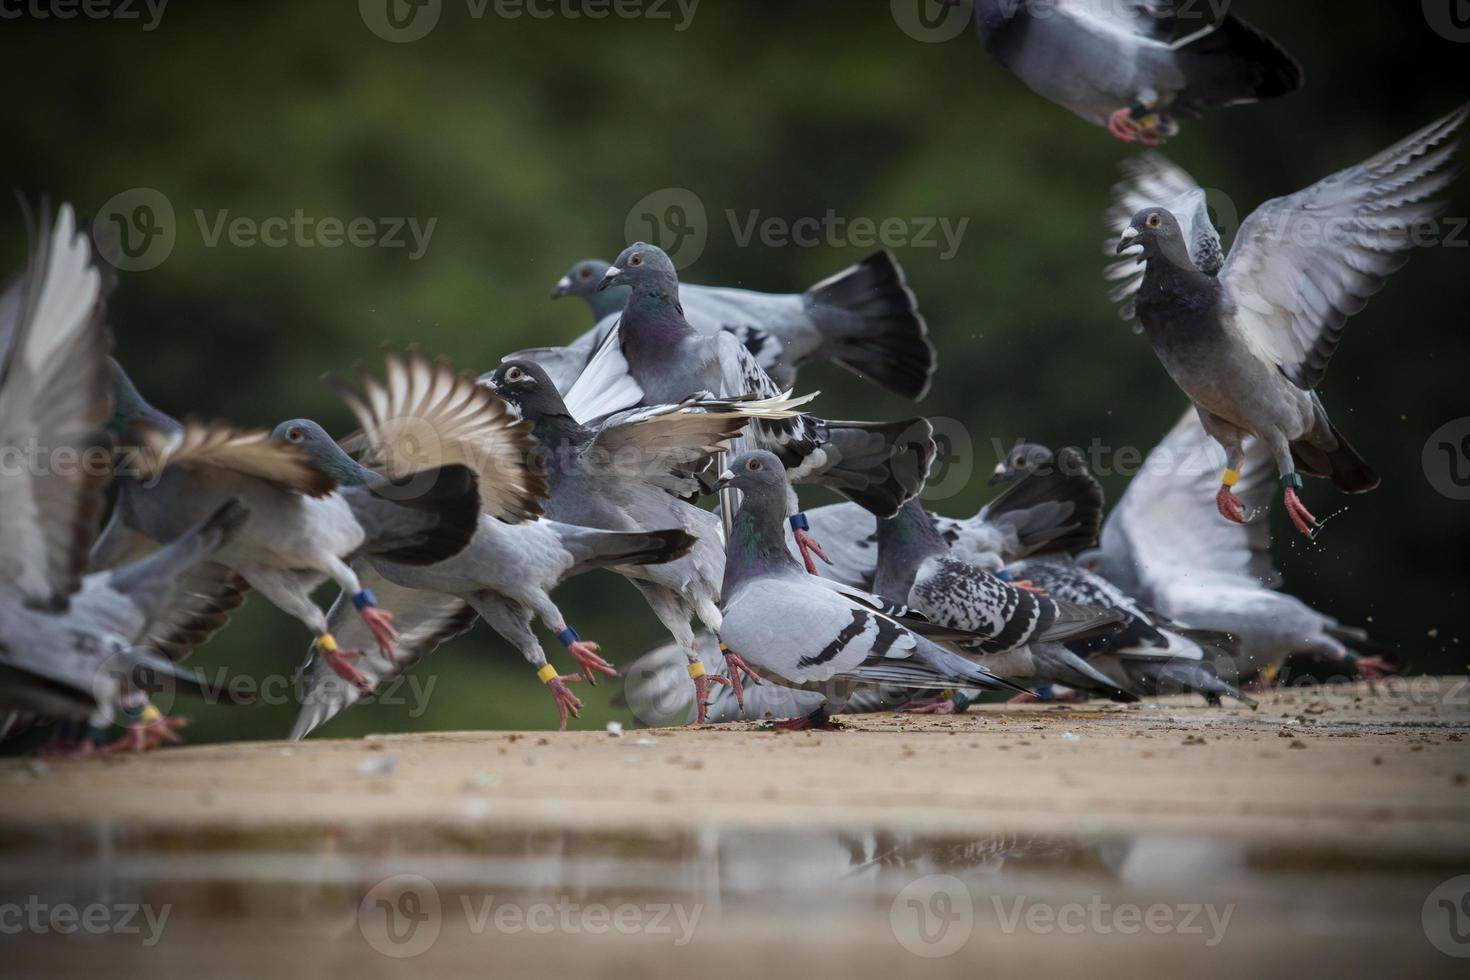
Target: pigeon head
{"type": "Point", "coordinates": [1157, 231]}
{"type": "Point", "coordinates": [528, 388]}
{"type": "Point", "coordinates": [758, 473]}
{"type": "Point", "coordinates": [322, 450]}
{"type": "Point", "coordinates": [1027, 457]}
{"type": "Point", "coordinates": [644, 267]}
{"type": "Point", "coordinates": [582, 280]}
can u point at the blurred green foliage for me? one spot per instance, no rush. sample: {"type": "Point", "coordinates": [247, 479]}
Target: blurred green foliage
{"type": "Point", "coordinates": [528, 140]}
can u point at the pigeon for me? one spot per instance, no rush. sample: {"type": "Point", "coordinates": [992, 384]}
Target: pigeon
{"type": "Point", "coordinates": [631, 472]}
{"type": "Point", "coordinates": [656, 690]}
{"type": "Point", "coordinates": [505, 575]}
{"type": "Point", "coordinates": [865, 319]}
{"type": "Point", "coordinates": [1159, 547]}
{"type": "Point", "coordinates": [1121, 64]}
{"type": "Point", "coordinates": [66, 649]}
{"type": "Point", "coordinates": [304, 525]}
{"type": "Point", "coordinates": [1060, 509]}
{"type": "Point", "coordinates": [811, 633]}
{"type": "Point", "coordinates": [1249, 346]}
{"type": "Point", "coordinates": [655, 357]}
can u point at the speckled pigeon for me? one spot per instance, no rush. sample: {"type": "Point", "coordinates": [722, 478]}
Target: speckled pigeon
{"type": "Point", "coordinates": [1123, 64]}
{"type": "Point", "coordinates": [632, 472]}
{"type": "Point", "coordinates": [864, 318]}
{"type": "Point", "coordinates": [655, 357]}
{"type": "Point", "coordinates": [812, 633]}
{"type": "Point", "coordinates": [1249, 346]}
{"type": "Point", "coordinates": [505, 574]}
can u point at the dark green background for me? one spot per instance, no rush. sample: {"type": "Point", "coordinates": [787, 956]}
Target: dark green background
{"type": "Point", "coordinates": [529, 141]}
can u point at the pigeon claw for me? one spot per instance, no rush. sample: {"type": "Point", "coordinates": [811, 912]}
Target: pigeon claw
{"type": "Point", "coordinates": [1300, 516]}
{"type": "Point", "coordinates": [380, 622]}
{"type": "Point", "coordinates": [341, 663]}
{"type": "Point", "coordinates": [1124, 127]}
{"type": "Point", "coordinates": [145, 736]}
{"type": "Point", "coordinates": [1029, 586]}
{"type": "Point", "coordinates": [567, 703]}
{"type": "Point", "coordinates": [807, 545]}
{"type": "Point", "coordinates": [587, 658]}
{"type": "Point", "coordinates": [1373, 668]}
{"type": "Point", "coordinates": [738, 666]}
{"type": "Point", "coordinates": [937, 706]}
{"type": "Point", "coordinates": [701, 694]}
{"type": "Point", "coordinates": [818, 720]}
{"type": "Point", "coordinates": [1230, 506]}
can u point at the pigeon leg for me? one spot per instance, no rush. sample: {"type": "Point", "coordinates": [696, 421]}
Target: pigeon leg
{"type": "Point", "coordinates": [73, 740]}
{"type": "Point", "coordinates": [341, 663]}
{"type": "Point", "coordinates": [806, 544]}
{"type": "Point", "coordinates": [585, 654]}
{"type": "Point", "coordinates": [1122, 125]}
{"type": "Point", "coordinates": [379, 622]}
{"type": "Point", "coordinates": [818, 720]}
{"type": "Point", "coordinates": [702, 680]}
{"type": "Point", "coordinates": [567, 703]}
{"type": "Point", "coordinates": [1373, 668]}
{"type": "Point", "coordinates": [1226, 501]}
{"type": "Point", "coordinates": [1295, 509]}
{"type": "Point", "coordinates": [737, 666]}
{"type": "Point", "coordinates": [148, 734]}
{"type": "Point", "coordinates": [948, 703]}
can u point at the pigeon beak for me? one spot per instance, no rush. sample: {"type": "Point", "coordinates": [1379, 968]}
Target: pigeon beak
{"type": "Point", "coordinates": [563, 287]}
{"type": "Point", "coordinates": [1126, 242]}
{"type": "Point", "coordinates": [727, 477]}
{"type": "Point", "coordinates": [609, 278]}
{"type": "Point", "coordinates": [999, 475]}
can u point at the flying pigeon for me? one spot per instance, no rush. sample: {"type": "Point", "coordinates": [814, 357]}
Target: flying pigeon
{"type": "Point", "coordinates": [305, 526]}
{"type": "Point", "coordinates": [505, 574]}
{"type": "Point", "coordinates": [1060, 509]}
{"type": "Point", "coordinates": [864, 318]}
{"type": "Point", "coordinates": [631, 471]}
{"type": "Point", "coordinates": [1159, 546]}
{"type": "Point", "coordinates": [1249, 346]}
{"type": "Point", "coordinates": [1122, 64]}
{"type": "Point", "coordinates": [655, 357]}
{"type": "Point", "coordinates": [808, 632]}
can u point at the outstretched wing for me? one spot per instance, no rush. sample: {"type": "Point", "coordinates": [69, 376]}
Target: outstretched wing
{"type": "Point", "coordinates": [1304, 263]}
{"type": "Point", "coordinates": [250, 452]}
{"type": "Point", "coordinates": [1153, 181]}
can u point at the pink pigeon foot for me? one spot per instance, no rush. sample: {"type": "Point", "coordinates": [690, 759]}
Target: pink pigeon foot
{"type": "Point", "coordinates": [1300, 516]}
{"type": "Point", "coordinates": [587, 658]}
{"type": "Point", "coordinates": [145, 736]}
{"type": "Point", "coordinates": [1230, 506]}
{"type": "Point", "coordinates": [380, 622]}
{"type": "Point", "coordinates": [738, 666]}
{"type": "Point", "coordinates": [807, 545]}
{"type": "Point", "coordinates": [567, 703]}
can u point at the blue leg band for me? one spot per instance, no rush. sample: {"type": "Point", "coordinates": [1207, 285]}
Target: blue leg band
{"type": "Point", "coordinates": [1291, 481]}
{"type": "Point", "coordinates": [568, 636]}
{"type": "Point", "coordinates": [1004, 575]}
{"type": "Point", "coordinates": [798, 523]}
{"type": "Point", "coordinates": [364, 599]}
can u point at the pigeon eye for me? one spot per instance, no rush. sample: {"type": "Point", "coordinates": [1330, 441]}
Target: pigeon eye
{"type": "Point", "coordinates": [295, 435]}
{"type": "Point", "coordinates": [584, 273]}
{"type": "Point", "coordinates": [1017, 462]}
{"type": "Point", "coordinates": [1154, 221]}
{"type": "Point", "coordinates": [754, 466]}
{"type": "Point", "coordinates": [515, 375]}
{"type": "Point", "coordinates": [636, 260]}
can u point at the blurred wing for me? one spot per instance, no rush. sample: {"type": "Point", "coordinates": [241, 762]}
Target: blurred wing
{"type": "Point", "coordinates": [55, 394]}
{"type": "Point", "coordinates": [203, 601]}
{"type": "Point", "coordinates": [1303, 264]}
{"type": "Point", "coordinates": [1152, 19]}
{"type": "Point", "coordinates": [249, 452]}
{"type": "Point", "coordinates": [1153, 181]}
{"type": "Point", "coordinates": [605, 386]}
{"type": "Point", "coordinates": [426, 415]}
{"type": "Point", "coordinates": [1167, 525]}
{"type": "Point", "coordinates": [424, 620]}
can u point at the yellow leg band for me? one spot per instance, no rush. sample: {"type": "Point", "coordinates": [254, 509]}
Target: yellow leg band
{"type": "Point", "coordinates": [151, 714]}
{"type": "Point", "coordinates": [696, 669]}
{"type": "Point", "coordinates": [326, 643]}
{"type": "Point", "coordinates": [547, 674]}
{"type": "Point", "coordinates": [724, 649]}
{"type": "Point", "coordinates": [1231, 478]}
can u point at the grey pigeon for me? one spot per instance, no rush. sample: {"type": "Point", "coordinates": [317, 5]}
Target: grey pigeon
{"type": "Point", "coordinates": [656, 689]}
{"type": "Point", "coordinates": [864, 318]}
{"type": "Point", "coordinates": [505, 575]}
{"type": "Point", "coordinates": [1159, 546]}
{"type": "Point", "coordinates": [655, 357]}
{"type": "Point", "coordinates": [811, 633]}
{"type": "Point", "coordinates": [304, 525]}
{"type": "Point", "coordinates": [1249, 346]}
{"type": "Point", "coordinates": [630, 472]}
{"type": "Point", "coordinates": [1060, 509]}
{"type": "Point", "coordinates": [1122, 64]}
